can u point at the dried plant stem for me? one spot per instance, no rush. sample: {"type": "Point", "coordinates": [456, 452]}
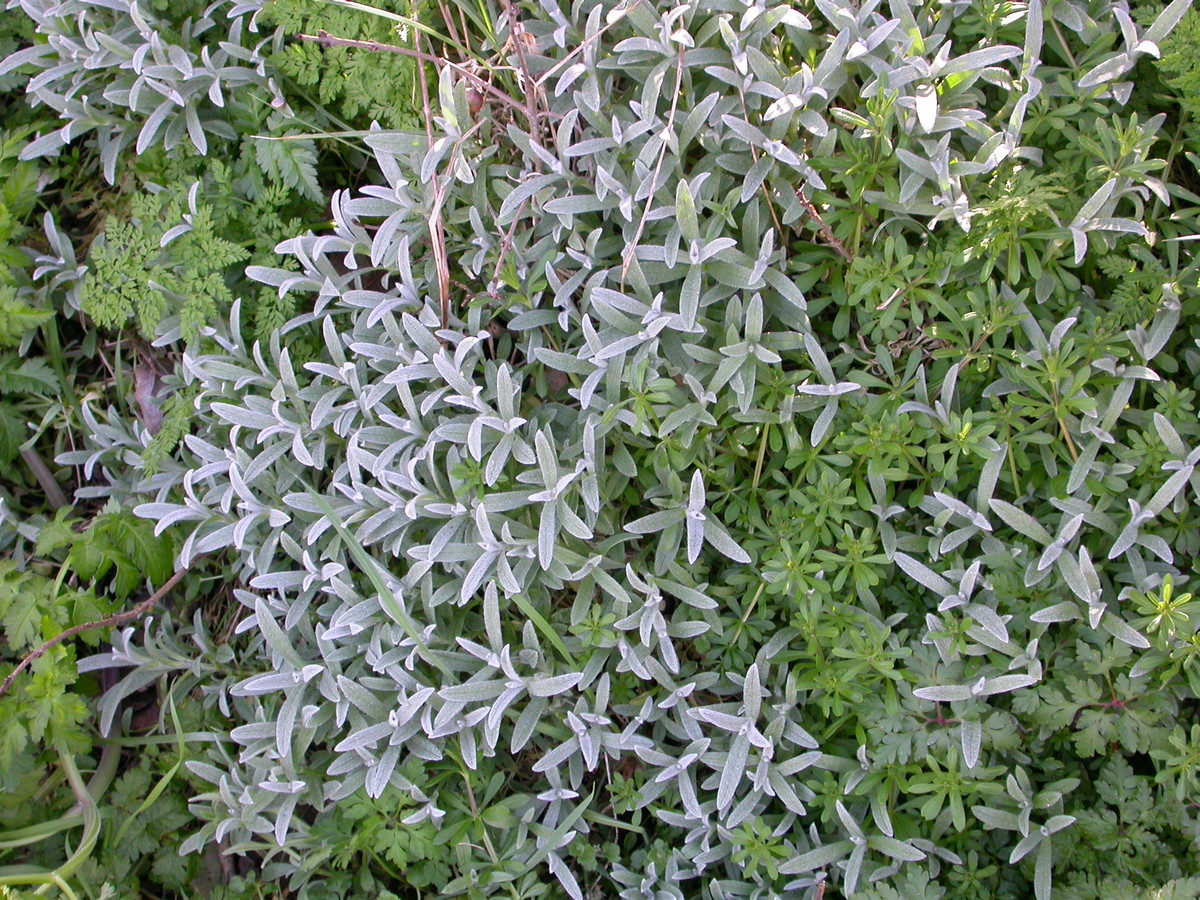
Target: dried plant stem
{"type": "Point", "coordinates": [437, 233]}
{"type": "Point", "coordinates": [545, 76]}
{"type": "Point", "coordinates": [45, 479]}
{"type": "Point", "coordinates": [462, 17]}
{"type": "Point", "coordinates": [449, 22]}
{"type": "Point", "coordinates": [516, 34]}
{"type": "Point", "coordinates": [111, 621]}
{"type": "Point", "coordinates": [437, 229]}
{"type": "Point", "coordinates": [425, 107]}
{"type": "Point", "coordinates": [1062, 427]}
{"type": "Point", "coordinates": [505, 246]}
{"type": "Point", "coordinates": [662, 153]}
{"type": "Point", "coordinates": [823, 230]}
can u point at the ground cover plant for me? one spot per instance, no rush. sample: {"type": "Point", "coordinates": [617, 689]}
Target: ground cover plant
{"type": "Point", "coordinates": [723, 451]}
{"type": "Point", "coordinates": [92, 276]}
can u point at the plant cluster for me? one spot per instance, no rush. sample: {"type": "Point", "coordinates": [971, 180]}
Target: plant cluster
{"type": "Point", "coordinates": [163, 262]}
{"type": "Point", "coordinates": [362, 85]}
{"type": "Point", "coordinates": [736, 451]}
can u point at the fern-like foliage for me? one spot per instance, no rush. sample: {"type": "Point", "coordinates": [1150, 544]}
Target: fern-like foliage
{"type": "Point", "coordinates": [278, 166]}
{"type": "Point", "coordinates": [18, 196]}
{"type": "Point", "coordinates": [250, 207]}
{"type": "Point", "coordinates": [121, 261]}
{"type": "Point", "coordinates": [1137, 285]}
{"type": "Point", "coordinates": [360, 85]}
{"type": "Point", "coordinates": [1019, 202]}
{"type": "Point", "coordinates": [165, 259]}
{"type": "Point", "coordinates": [17, 317]}
{"type": "Point", "coordinates": [249, 201]}
{"type": "Point", "coordinates": [1179, 64]}
{"type": "Point", "coordinates": [290, 159]}
{"type": "Point", "coordinates": [176, 413]}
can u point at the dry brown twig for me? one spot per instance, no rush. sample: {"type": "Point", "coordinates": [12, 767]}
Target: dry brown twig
{"type": "Point", "coordinates": [823, 230]}
{"type": "Point", "coordinates": [437, 231]}
{"type": "Point", "coordinates": [448, 21]}
{"type": "Point", "coordinates": [111, 621]}
{"type": "Point", "coordinates": [462, 17]}
{"type": "Point", "coordinates": [545, 76]}
{"type": "Point", "coordinates": [505, 246]}
{"type": "Point", "coordinates": [435, 223]}
{"type": "Point", "coordinates": [662, 153]}
{"type": "Point", "coordinates": [517, 37]}
{"type": "Point", "coordinates": [425, 98]}
{"type": "Point", "coordinates": [45, 478]}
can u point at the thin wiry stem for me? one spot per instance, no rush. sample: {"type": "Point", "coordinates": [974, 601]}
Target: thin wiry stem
{"type": "Point", "coordinates": [662, 153]}
{"type": "Point", "coordinates": [116, 619]}
{"type": "Point", "coordinates": [325, 39]}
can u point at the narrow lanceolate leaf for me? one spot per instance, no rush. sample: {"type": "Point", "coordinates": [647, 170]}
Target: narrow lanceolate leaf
{"type": "Point", "coordinates": [685, 212]}
{"type": "Point", "coordinates": [716, 535]}
{"type": "Point", "coordinates": [752, 692]}
{"type": "Point", "coordinates": [472, 691]}
{"type": "Point", "coordinates": [816, 859]}
{"type": "Point", "coordinates": [944, 693]}
{"type": "Point", "coordinates": [996, 818]}
{"type": "Point", "coordinates": [1059, 612]}
{"type": "Point", "coordinates": [365, 737]}
{"type": "Point", "coordinates": [854, 867]}
{"type": "Point", "coordinates": [1057, 823]}
{"type": "Point", "coordinates": [655, 521]}
{"type": "Point", "coordinates": [819, 360]}
{"type": "Point", "coordinates": [547, 534]}
{"type": "Point", "coordinates": [1031, 52]}
{"type": "Point", "coordinates": [978, 59]}
{"type": "Point", "coordinates": [1166, 21]}
{"type": "Point", "coordinates": [829, 390]}
{"type": "Point", "coordinates": [1043, 872]}
{"type": "Point", "coordinates": [989, 619]}
{"type": "Point", "coordinates": [972, 741]}
{"type": "Point", "coordinates": [1002, 684]}
{"type": "Point", "coordinates": [1020, 521]}
{"type": "Point", "coordinates": [1025, 846]}
{"type": "Point", "coordinates": [695, 537]}
{"type": "Point", "coordinates": [921, 573]}
{"type": "Point", "coordinates": [733, 771]}
{"type": "Point", "coordinates": [900, 850]}
{"type": "Point", "coordinates": [1120, 629]}
{"type": "Point", "coordinates": [553, 685]}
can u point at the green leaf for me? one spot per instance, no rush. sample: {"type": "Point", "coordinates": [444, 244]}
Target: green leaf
{"type": "Point", "coordinates": [17, 318]}
{"type": "Point", "coordinates": [816, 859]}
{"type": "Point", "coordinates": [895, 849]}
{"type": "Point", "coordinates": [59, 532]}
{"type": "Point", "coordinates": [1042, 871]}
{"type": "Point", "coordinates": [291, 160]}
{"type": "Point", "coordinates": [656, 521]}
{"type": "Point", "coordinates": [13, 735]}
{"type": "Point", "coordinates": [21, 611]}
{"type": "Point", "coordinates": [685, 212]}
{"type": "Point", "coordinates": [544, 627]}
